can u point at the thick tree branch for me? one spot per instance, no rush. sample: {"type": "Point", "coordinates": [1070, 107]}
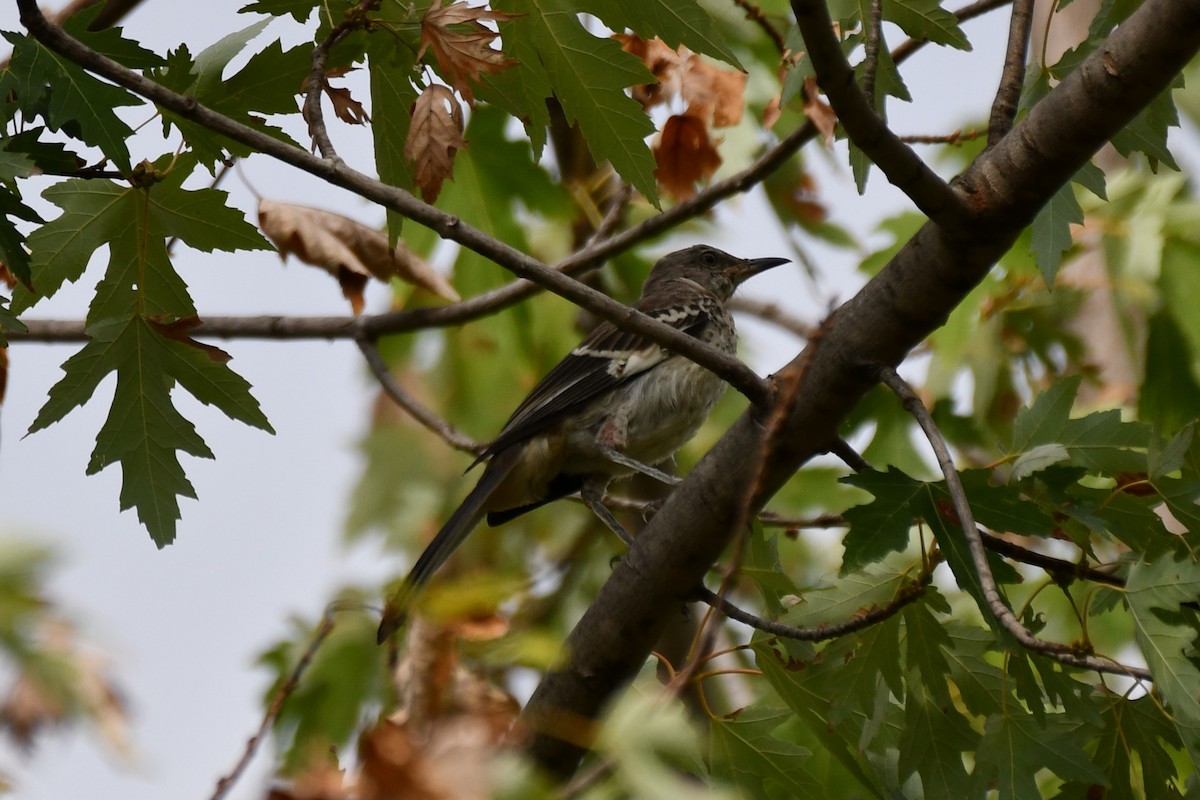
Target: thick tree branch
{"type": "Point", "coordinates": [892, 314]}
{"type": "Point", "coordinates": [902, 166]}
{"type": "Point", "coordinates": [729, 368]}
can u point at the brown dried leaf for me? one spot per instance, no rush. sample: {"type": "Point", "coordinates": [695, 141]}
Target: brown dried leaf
{"type": "Point", "coordinates": [771, 113]}
{"type": "Point", "coordinates": [462, 43]}
{"type": "Point", "coordinates": [348, 250]}
{"type": "Point", "coordinates": [433, 138]}
{"type": "Point", "coordinates": [820, 112]}
{"type": "Point", "coordinates": [180, 330]}
{"type": "Point", "coordinates": [29, 707]}
{"type": "Point", "coordinates": [393, 765]}
{"type": "Point", "coordinates": [685, 155]}
{"type": "Point", "coordinates": [661, 60]}
{"type": "Point", "coordinates": [348, 109]}
{"type": "Point", "coordinates": [712, 92]}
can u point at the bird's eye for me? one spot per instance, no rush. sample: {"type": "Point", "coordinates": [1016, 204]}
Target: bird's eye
{"type": "Point", "coordinates": [709, 257]}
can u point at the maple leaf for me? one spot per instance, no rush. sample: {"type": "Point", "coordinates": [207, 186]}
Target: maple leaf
{"type": "Point", "coordinates": [662, 61]}
{"type": "Point", "coordinates": [461, 43]}
{"type": "Point", "coordinates": [433, 137]}
{"type": "Point", "coordinates": [346, 249]}
{"type": "Point", "coordinates": [685, 155]}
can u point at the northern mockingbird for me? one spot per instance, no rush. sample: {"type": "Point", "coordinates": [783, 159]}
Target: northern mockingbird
{"type": "Point", "coordinates": [617, 404]}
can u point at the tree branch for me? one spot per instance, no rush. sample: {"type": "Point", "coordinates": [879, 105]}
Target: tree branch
{"type": "Point", "coordinates": [1063, 654]}
{"type": "Point", "coordinates": [902, 166]}
{"type": "Point", "coordinates": [1004, 107]}
{"type": "Point", "coordinates": [893, 313]}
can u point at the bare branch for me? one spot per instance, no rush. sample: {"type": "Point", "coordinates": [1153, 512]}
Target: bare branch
{"type": "Point", "coordinates": [773, 313]}
{"type": "Point", "coordinates": [756, 15]}
{"type": "Point", "coordinates": [1004, 107]}
{"type": "Point", "coordinates": [1064, 654]}
{"type": "Point", "coordinates": [281, 695]}
{"type": "Point", "coordinates": [392, 388]}
{"type": "Point", "coordinates": [954, 137]}
{"type": "Point", "coordinates": [871, 49]}
{"type": "Point", "coordinates": [903, 168]}
{"type": "Point", "coordinates": [315, 84]}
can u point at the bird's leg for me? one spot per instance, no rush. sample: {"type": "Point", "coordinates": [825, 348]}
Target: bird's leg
{"type": "Point", "coordinates": [611, 437]}
{"type": "Point", "coordinates": [593, 497]}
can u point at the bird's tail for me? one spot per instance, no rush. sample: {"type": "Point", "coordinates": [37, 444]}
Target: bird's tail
{"type": "Point", "coordinates": [457, 528]}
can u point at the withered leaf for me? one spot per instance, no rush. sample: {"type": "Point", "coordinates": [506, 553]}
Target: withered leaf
{"type": "Point", "coordinates": [712, 94]}
{"type": "Point", "coordinates": [348, 109]}
{"type": "Point", "coordinates": [817, 110]}
{"type": "Point", "coordinates": [685, 155]}
{"type": "Point", "coordinates": [434, 136]}
{"type": "Point", "coordinates": [461, 43]}
{"type": "Point", "coordinates": [348, 250]}
{"type": "Point", "coordinates": [180, 330]}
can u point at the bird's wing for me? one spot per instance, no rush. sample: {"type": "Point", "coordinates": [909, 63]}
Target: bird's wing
{"type": "Point", "coordinates": [605, 360]}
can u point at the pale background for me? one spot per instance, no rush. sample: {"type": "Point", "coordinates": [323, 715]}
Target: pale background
{"type": "Point", "coordinates": [182, 626]}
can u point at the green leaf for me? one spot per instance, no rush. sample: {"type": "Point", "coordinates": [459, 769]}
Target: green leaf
{"type": "Point", "coordinates": [926, 19]}
{"type": "Point", "coordinates": [300, 10]}
{"type": "Point", "coordinates": [49, 157]}
{"type": "Point", "coordinates": [1170, 395]}
{"type": "Point", "coordinates": [392, 98]}
{"type": "Point", "coordinates": [936, 735]}
{"type": "Point", "coordinates": [1130, 749]}
{"type": "Point", "coordinates": [1166, 634]}
{"type": "Point", "coordinates": [94, 212]}
{"type": "Point", "coordinates": [8, 322]}
{"type": "Point", "coordinates": [743, 749]}
{"type": "Point", "coordinates": [882, 526]}
{"type": "Point", "coordinates": [793, 682]}
{"type": "Point", "coordinates": [676, 22]}
{"type": "Point", "coordinates": [1052, 230]}
{"type": "Point", "coordinates": [71, 99]}
{"type": "Point", "coordinates": [589, 76]}
{"type": "Point", "coordinates": [110, 42]}
{"type": "Point", "coordinates": [1038, 459]}
{"type": "Point", "coordinates": [1147, 132]}
{"type": "Point", "coordinates": [1015, 747]}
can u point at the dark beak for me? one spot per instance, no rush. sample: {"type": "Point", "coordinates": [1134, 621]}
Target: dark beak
{"type": "Point", "coordinates": [750, 267]}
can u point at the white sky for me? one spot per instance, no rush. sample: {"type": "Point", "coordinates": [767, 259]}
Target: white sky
{"type": "Point", "coordinates": [183, 625]}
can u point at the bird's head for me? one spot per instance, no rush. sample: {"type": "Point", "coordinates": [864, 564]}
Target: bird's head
{"type": "Point", "coordinates": [708, 268]}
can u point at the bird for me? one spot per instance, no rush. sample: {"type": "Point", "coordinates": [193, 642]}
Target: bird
{"type": "Point", "coordinates": [617, 404]}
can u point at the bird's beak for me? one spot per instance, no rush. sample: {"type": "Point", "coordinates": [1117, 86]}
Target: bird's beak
{"type": "Point", "coordinates": [750, 267]}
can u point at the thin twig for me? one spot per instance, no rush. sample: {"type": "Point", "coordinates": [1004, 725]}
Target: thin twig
{"type": "Point", "coordinates": [1008, 94]}
{"type": "Point", "coordinates": [1055, 651]}
{"type": "Point", "coordinates": [874, 27]}
{"type": "Point", "coordinates": [392, 388]}
{"type": "Point", "coordinates": [756, 15]}
{"type": "Point", "coordinates": [865, 128]}
{"type": "Point", "coordinates": [968, 12]}
{"type": "Point", "coordinates": [773, 313]}
{"type": "Point", "coordinates": [315, 84]}
{"type": "Point", "coordinates": [908, 592]}
{"type": "Point", "coordinates": [954, 137]}
{"type": "Point", "coordinates": [281, 695]}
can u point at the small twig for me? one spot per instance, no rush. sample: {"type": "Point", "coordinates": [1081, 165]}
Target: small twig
{"type": "Point", "coordinates": [849, 456]}
{"type": "Point", "coordinates": [1008, 94]}
{"type": "Point", "coordinates": [1061, 570]}
{"type": "Point", "coordinates": [898, 162]}
{"type": "Point", "coordinates": [954, 137]}
{"type": "Point", "coordinates": [908, 593]}
{"type": "Point", "coordinates": [871, 49]}
{"type": "Point", "coordinates": [773, 313]}
{"type": "Point", "coordinates": [392, 388]}
{"type": "Point", "coordinates": [756, 15]}
{"type": "Point", "coordinates": [612, 217]}
{"type": "Point", "coordinates": [281, 695]}
{"type": "Point", "coordinates": [316, 83]}
{"type": "Point", "coordinates": [769, 519]}
{"type": "Point", "coordinates": [1055, 651]}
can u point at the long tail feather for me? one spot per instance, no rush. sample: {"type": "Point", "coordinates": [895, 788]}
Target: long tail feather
{"type": "Point", "coordinates": [453, 533]}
